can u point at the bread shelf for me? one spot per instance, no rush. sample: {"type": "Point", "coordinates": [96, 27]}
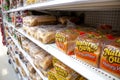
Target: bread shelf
{"type": "Point", "coordinates": [82, 68]}
{"type": "Point", "coordinates": [71, 5]}
{"type": "Point", "coordinates": [28, 58]}
{"type": "Point", "coordinates": [72, 62]}
{"type": "Point", "coordinates": [15, 66]}
{"type": "Point", "coordinates": [21, 63]}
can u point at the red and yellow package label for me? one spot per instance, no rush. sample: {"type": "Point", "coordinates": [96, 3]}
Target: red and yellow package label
{"type": "Point", "coordinates": [87, 51]}
{"type": "Point", "coordinates": [86, 55]}
{"type": "Point", "coordinates": [110, 59]}
{"type": "Point", "coordinates": [115, 68]}
{"type": "Point", "coordinates": [61, 42]}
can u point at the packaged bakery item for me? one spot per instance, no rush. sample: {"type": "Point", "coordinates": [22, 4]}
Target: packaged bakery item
{"type": "Point", "coordinates": [18, 19]}
{"type": "Point", "coordinates": [43, 61]}
{"type": "Point", "coordinates": [63, 72]}
{"type": "Point", "coordinates": [65, 40]}
{"type": "Point", "coordinates": [66, 19]}
{"type": "Point", "coordinates": [88, 48]}
{"type": "Point", "coordinates": [110, 57]}
{"type": "Point", "coordinates": [25, 45]}
{"type": "Point", "coordinates": [47, 62]}
{"type": "Point", "coordinates": [46, 33]}
{"type": "Point", "coordinates": [38, 20]}
{"type": "Point", "coordinates": [30, 68]}
{"type": "Point", "coordinates": [62, 69]}
{"type": "Point", "coordinates": [38, 77]}
{"type": "Point", "coordinates": [33, 49]}
{"type": "Point", "coordinates": [63, 20]}
{"type": "Point", "coordinates": [52, 74]}
{"type": "Point", "coordinates": [74, 76]}
{"type": "Point", "coordinates": [32, 31]}
{"type": "Point", "coordinates": [105, 28]}
{"type": "Point", "coordinates": [23, 72]}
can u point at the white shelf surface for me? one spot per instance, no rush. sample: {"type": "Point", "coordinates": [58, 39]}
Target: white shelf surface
{"type": "Point", "coordinates": [82, 68]}
{"type": "Point", "coordinates": [70, 5]}
{"type": "Point", "coordinates": [29, 59]}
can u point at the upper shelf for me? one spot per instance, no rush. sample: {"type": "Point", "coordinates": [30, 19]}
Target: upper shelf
{"type": "Point", "coordinates": [71, 5]}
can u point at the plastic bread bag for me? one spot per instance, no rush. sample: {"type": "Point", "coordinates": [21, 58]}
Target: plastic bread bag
{"type": "Point", "coordinates": [30, 68]}
{"type": "Point", "coordinates": [110, 57]}
{"type": "Point", "coordinates": [46, 63]}
{"type": "Point", "coordinates": [38, 20]}
{"type": "Point", "coordinates": [65, 40]}
{"type": "Point", "coordinates": [88, 48]}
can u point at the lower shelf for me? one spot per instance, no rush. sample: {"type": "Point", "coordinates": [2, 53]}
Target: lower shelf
{"type": "Point", "coordinates": [28, 58]}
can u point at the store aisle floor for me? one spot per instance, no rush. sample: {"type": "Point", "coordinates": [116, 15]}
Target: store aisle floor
{"type": "Point", "coordinates": [6, 70]}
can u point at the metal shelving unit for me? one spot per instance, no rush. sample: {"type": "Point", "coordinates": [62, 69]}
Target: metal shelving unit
{"type": "Point", "coordinates": [70, 61]}
{"type": "Point", "coordinates": [20, 75]}
{"type": "Point", "coordinates": [82, 68]}
{"type": "Point", "coordinates": [28, 58]}
{"type": "Point", "coordinates": [71, 5]}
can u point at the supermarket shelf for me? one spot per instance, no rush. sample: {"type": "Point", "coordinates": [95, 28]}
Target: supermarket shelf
{"type": "Point", "coordinates": [14, 66]}
{"type": "Point", "coordinates": [79, 66]}
{"type": "Point", "coordinates": [71, 5]}
{"type": "Point", "coordinates": [23, 78]}
{"type": "Point", "coordinates": [23, 65]}
{"type": "Point", "coordinates": [10, 24]}
{"type": "Point", "coordinates": [29, 59]}
{"type": "Point", "coordinates": [82, 68]}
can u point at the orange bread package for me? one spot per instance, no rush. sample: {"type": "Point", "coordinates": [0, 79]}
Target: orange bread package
{"type": "Point", "coordinates": [88, 48]}
{"type": "Point", "coordinates": [110, 57]}
{"type": "Point", "coordinates": [65, 40]}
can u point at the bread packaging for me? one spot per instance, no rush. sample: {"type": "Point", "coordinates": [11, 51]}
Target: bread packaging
{"type": "Point", "coordinates": [46, 33]}
{"type": "Point", "coordinates": [38, 20]}
{"type": "Point", "coordinates": [52, 74]}
{"type": "Point", "coordinates": [110, 57]}
{"type": "Point", "coordinates": [65, 40]}
{"type": "Point", "coordinates": [88, 48]}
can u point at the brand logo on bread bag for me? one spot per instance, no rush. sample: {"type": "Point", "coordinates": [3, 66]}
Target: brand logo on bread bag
{"type": "Point", "coordinates": [86, 46]}
{"type": "Point", "coordinates": [61, 71]}
{"type": "Point", "coordinates": [112, 55]}
{"type": "Point", "coordinates": [60, 38]}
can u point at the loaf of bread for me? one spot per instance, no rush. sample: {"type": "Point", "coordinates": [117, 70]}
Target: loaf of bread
{"type": "Point", "coordinates": [46, 62]}
{"type": "Point", "coordinates": [110, 57]}
{"type": "Point", "coordinates": [25, 45]}
{"type": "Point", "coordinates": [62, 69]}
{"type": "Point", "coordinates": [52, 74]}
{"type": "Point", "coordinates": [38, 20]}
{"type": "Point", "coordinates": [65, 40]}
{"type": "Point", "coordinates": [88, 47]}
{"type": "Point", "coordinates": [63, 20]}
{"type": "Point", "coordinates": [46, 33]}
{"type": "Point", "coordinates": [33, 49]}
{"type": "Point", "coordinates": [30, 68]}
